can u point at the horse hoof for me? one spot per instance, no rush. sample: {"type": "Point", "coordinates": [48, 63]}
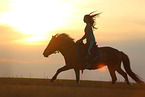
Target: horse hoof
{"type": "Point", "coordinates": [129, 84]}
{"type": "Point", "coordinates": [78, 82]}
{"type": "Point", "coordinates": [113, 81]}
{"type": "Point", "coordinates": [51, 81]}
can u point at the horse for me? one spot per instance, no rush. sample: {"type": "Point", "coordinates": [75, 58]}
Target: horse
{"type": "Point", "coordinates": [108, 56]}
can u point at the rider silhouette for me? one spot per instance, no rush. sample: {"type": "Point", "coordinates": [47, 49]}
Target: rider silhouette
{"type": "Point", "coordinates": [89, 19]}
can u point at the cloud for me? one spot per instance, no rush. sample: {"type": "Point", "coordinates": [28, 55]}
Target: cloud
{"type": "Point", "coordinates": [18, 61]}
{"type": "Point", "coordinates": [139, 22]}
{"type": "Point", "coordinates": [4, 61]}
{"type": "Point", "coordinates": [9, 33]}
{"type": "Point", "coordinates": [5, 5]}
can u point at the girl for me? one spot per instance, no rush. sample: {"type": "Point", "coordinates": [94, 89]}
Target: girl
{"type": "Point", "coordinates": [89, 19]}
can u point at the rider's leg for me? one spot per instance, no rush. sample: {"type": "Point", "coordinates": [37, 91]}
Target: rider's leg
{"type": "Point", "coordinates": [90, 47]}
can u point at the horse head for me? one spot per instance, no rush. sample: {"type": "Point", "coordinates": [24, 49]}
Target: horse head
{"type": "Point", "coordinates": [51, 47]}
{"type": "Point", "coordinates": [59, 42]}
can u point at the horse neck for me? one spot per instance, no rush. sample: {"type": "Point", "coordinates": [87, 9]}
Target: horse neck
{"type": "Point", "coordinates": [66, 47]}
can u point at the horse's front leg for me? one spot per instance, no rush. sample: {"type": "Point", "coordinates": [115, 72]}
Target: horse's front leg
{"type": "Point", "coordinates": [59, 71]}
{"type": "Point", "coordinates": [77, 72]}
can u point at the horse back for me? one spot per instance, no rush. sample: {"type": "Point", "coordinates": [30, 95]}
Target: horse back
{"type": "Point", "coordinates": [109, 55]}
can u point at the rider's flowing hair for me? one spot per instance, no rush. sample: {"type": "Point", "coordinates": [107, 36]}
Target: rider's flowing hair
{"type": "Point", "coordinates": [91, 17]}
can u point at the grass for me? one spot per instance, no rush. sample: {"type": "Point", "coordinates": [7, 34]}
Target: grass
{"type": "Point", "coordinates": [23, 87]}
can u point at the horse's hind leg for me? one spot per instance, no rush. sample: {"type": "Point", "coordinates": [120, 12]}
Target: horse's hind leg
{"type": "Point", "coordinates": [112, 73]}
{"type": "Point", "coordinates": [120, 71]}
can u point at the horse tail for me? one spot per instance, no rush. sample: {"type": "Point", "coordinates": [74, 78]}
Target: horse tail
{"type": "Point", "coordinates": [126, 64]}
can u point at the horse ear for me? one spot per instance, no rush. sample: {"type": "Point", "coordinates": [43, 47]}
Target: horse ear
{"type": "Point", "coordinates": [56, 35]}
{"type": "Point", "coordinates": [53, 36]}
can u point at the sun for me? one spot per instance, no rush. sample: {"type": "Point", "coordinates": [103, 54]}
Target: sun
{"type": "Point", "coordinates": [36, 17]}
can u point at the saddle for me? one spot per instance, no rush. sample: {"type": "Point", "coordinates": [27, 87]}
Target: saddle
{"type": "Point", "coordinates": [82, 53]}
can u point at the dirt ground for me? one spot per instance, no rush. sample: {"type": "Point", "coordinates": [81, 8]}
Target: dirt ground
{"type": "Point", "coordinates": [22, 87]}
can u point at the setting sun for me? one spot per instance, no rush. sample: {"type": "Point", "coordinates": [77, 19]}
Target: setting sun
{"type": "Point", "coordinates": [37, 18]}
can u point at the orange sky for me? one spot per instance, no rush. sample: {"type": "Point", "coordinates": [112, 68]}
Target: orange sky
{"type": "Point", "coordinates": [38, 18]}
{"type": "Point", "coordinates": [26, 26]}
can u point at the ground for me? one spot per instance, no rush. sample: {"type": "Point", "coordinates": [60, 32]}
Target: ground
{"type": "Point", "coordinates": [23, 87]}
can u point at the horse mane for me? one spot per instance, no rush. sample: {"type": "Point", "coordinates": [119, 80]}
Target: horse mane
{"type": "Point", "coordinates": [65, 36]}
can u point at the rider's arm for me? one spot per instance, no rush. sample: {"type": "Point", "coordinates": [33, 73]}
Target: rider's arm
{"type": "Point", "coordinates": [86, 34]}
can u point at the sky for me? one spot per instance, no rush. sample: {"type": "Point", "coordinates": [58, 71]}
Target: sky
{"type": "Point", "coordinates": [26, 27]}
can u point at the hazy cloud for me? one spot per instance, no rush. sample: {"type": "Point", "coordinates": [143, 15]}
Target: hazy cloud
{"type": "Point", "coordinates": [5, 5]}
{"type": "Point", "coordinates": [140, 22]}
{"type": "Point", "coordinates": [9, 33]}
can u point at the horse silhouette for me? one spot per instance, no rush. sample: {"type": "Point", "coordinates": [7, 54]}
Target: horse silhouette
{"type": "Point", "coordinates": [108, 56]}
